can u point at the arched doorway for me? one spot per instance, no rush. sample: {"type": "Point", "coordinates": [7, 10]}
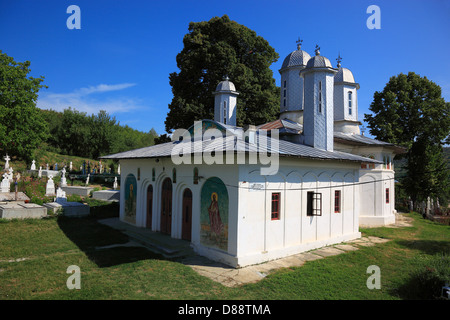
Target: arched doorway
{"type": "Point", "coordinates": [149, 206]}
{"type": "Point", "coordinates": [186, 225]}
{"type": "Point", "coordinates": [166, 207]}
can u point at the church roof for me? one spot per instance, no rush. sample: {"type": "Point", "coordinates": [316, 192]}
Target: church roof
{"type": "Point", "coordinates": [296, 58]}
{"type": "Point", "coordinates": [358, 139]}
{"type": "Point", "coordinates": [231, 143]}
{"type": "Point", "coordinates": [288, 126]}
{"type": "Point", "coordinates": [283, 125]}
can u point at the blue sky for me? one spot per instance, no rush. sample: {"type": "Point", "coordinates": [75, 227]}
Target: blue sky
{"type": "Point", "coordinates": [121, 58]}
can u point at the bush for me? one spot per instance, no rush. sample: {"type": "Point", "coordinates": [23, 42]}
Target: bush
{"type": "Point", "coordinates": [429, 276]}
{"type": "Point", "coordinates": [74, 198]}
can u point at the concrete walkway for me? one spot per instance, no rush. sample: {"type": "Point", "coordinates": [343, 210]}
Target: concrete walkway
{"type": "Point", "coordinates": [226, 275]}
{"type": "Point", "coordinates": [232, 277]}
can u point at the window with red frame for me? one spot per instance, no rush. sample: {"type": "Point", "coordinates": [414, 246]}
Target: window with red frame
{"type": "Point", "coordinates": [387, 195]}
{"type": "Point", "coordinates": [337, 201]}
{"type": "Point", "coordinates": [276, 206]}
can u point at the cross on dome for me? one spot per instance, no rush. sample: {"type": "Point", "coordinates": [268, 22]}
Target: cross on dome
{"type": "Point", "coordinates": [299, 43]}
{"type": "Point", "coordinates": [317, 50]}
{"type": "Point", "coordinates": [339, 59]}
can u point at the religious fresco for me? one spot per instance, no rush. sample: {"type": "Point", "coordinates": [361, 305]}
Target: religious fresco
{"type": "Point", "coordinates": [214, 214]}
{"type": "Point", "coordinates": [130, 199]}
{"type": "Point", "coordinates": [207, 124]}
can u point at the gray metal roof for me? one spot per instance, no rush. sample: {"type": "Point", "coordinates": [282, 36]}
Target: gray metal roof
{"type": "Point", "coordinates": [351, 138]}
{"type": "Point", "coordinates": [296, 58]}
{"type": "Point", "coordinates": [319, 62]}
{"type": "Point", "coordinates": [225, 85]}
{"type": "Point", "coordinates": [344, 75]}
{"type": "Point", "coordinates": [360, 139]}
{"type": "Point", "coordinates": [234, 144]}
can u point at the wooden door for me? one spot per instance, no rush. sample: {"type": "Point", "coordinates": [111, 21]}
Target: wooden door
{"type": "Point", "coordinates": [166, 207]}
{"type": "Point", "coordinates": [149, 206]}
{"type": "Point", "coordinates": [187, 215]}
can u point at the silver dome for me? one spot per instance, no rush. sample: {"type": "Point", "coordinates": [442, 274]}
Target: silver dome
{"type": "Point", "coordinates": [296, 58]}
{"type": "Point", "coordinates": [344, 75]}
{"type": "Point", "coordinates": [319, 62]}
{"type": "Point", "coordinates": [226, 85]}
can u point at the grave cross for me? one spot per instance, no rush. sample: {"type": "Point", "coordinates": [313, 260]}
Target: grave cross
{"type": "Point", "coordinates": [7, 158]}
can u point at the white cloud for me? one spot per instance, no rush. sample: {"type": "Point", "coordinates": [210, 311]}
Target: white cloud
{"type": "Point", "coordinates": [86, 100]}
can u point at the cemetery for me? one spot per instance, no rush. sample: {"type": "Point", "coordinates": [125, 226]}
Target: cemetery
{"type": "Point", "coordinates": [45, 189]}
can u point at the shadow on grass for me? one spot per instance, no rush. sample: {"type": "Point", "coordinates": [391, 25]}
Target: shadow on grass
{"type": "Point", "coordinates": [426, 246]}
{"type": "Point", "coordinates": [88, 234]}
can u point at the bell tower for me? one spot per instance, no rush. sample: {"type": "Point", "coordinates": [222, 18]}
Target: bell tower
{"type": "Point", "coordinates": [345, 101]}
{"type": "Point", "coordinates": [292, 93]}
{"type": "Point", "coordinates": [318, 113]}
{"type": "Point", "coordinates": [225, 102]}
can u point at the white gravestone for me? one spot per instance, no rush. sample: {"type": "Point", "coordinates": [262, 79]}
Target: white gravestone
{"type": "Point", "coordinates": [33, 165]}
{"type": "Point", "coordinates": [70, 166]}
{"type": "Point", "coordinates": [63, 178]}
{"type": "Point", "coordinates": [40, 172]}
{"type": "Point", "coordinates": [5, 186]}
{"type": "Point", "coordinates": [7, 158]}
{"type": "Point", "coordinates": [87, 180]}
{"type": "Point", "coordinates": [50, 187]}
{"type": "Point", "coordinates": [60, 196]}
{"type": "Point", "coordinates": [115, 183]}
{"type": "Point", "coordinates": [10, 174]}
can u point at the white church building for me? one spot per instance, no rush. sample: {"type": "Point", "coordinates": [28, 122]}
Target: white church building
{"type": "Point", "coordinates": [243, 196]}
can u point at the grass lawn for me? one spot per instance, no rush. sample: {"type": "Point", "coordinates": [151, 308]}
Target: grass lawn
{"type": "Point", "coordinates": [35, 254]}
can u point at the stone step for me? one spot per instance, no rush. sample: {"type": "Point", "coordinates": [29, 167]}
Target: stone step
{"type": "Point", "coordinates": [164, 250]}
{"type": "Point", "coordinates": [155, 241]}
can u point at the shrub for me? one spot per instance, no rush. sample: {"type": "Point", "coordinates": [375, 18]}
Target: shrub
{"type": "Point", "coordinates": [74, 198]}
{"type": "Point", "coordinates": [429, 276]}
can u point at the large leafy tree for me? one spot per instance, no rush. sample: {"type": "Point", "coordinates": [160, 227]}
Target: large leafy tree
{"type": "Point", "coordinates": [411, 112]}
{"type": "Point", "coordinates": [22, 127]}
{"type": "Point", "coordinates": [76, 133]}
{"type": "Point", "coordinates": [213, 49]}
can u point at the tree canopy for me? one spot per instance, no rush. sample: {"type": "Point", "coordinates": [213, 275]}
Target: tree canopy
{"type": "Point", "coordinates": [78, 134]}
{"type": "Point", "coordinates": [411, 112]}
{"type": "Point", "coordinates": [22, 127]}
{"type": "Point", "coordinates": [213, 49]}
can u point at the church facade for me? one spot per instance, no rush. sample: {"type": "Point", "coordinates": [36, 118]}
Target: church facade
{"type": "Point", "coordinates": [243, 196]}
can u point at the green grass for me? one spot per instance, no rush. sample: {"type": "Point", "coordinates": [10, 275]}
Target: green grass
{"type": "Point", "coordinates": [51, 245]}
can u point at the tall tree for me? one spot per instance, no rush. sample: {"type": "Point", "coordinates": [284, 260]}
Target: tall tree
{"type": "Point", "coordinates": [22, 127]}
{"type": "Point", "coordinates": [75, 133]}
{"type": "Point", "coordinates": [213, 49]}
{"type": "Point", "coordinates": [411, 112]}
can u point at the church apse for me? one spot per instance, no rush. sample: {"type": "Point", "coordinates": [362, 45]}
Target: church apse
{"type": "Point", "coordinates": [214, 214]}
{"type": "Point", "coordinates": [130, 199]}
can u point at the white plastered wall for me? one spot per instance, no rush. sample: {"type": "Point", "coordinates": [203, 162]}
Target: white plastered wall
{"type": "Point", "coordinates": [261, 239]}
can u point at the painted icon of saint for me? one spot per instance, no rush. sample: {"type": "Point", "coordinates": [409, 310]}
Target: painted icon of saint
{"type": "Point", "coordinates": [129, 202]}
{"type": "Point", "coordinates": [214, 215]}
